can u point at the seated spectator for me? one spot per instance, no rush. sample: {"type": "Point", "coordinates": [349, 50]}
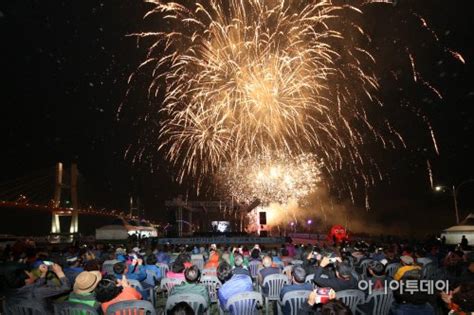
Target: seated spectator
{"type": "Point", "coordinates": [73, 268]}
{"type": "Point", "coordinates": [285, 256]}
{"type": "Point", "coordinates": [231, 284]}
{"type": "Point", "coordinates": [255, 254]}
{"type": "Point", "coordinates": [110, 290]}
{"type": "Point", "coordinates": [391, 256]}
{"type": "Point", "coordinates": [177, 270]}
{"type": "Point", "coordinates": [461, 300]}
{"type": "Point", "coordinates": [83, 289]}
{"type": "Point", "coordinates": [135, 271]}
{"type": "Point", "coordinates": [25, 288]}
{"type": "Point", "coordinates": [239, 268]}
{"type": "Point", "coordinates": [376, 274]}
{"type": "Point", "coordinates": [421, 259]}
{"type": "Point", "coordinates": [298, 276]}
{"type": "Point", "coordinates": [191, 285]}
{"type": "Point", "coordinates": [341, 280]}
{"type": "Point", "coordinates": [162, 256]}
{"type": "Point", "coordinates": [331, 307]}
{"type": "Point", "coordinates": [182, 308]}
{"type": "Point", "coordinates": [213, 261]}
{"type": "Point", "coordinates": [151, 265]}
{"type": "Point", "coordinates": [92, 265]}
{"type": "Point", "coordinates": [412, 302]}
{"type": "Point", "coordinates": [407, 263]}
{"type": "Point", "coordinates": [266, 271]}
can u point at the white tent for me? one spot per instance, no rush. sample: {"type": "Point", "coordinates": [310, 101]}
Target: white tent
{"type": "Point", "coordinates": [111, 232]}
{"type": "Point", "coordinates": [466, 227]}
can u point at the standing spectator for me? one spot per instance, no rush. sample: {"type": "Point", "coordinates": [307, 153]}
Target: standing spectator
{"type": "Point", "coordinates": [231, 284]}
{"type": "Point", "coordinates": [83, 289]}
{"type": "Point", "coordinates": [464, 243]}
{"type": "Point", "coordinates": [192, 276]}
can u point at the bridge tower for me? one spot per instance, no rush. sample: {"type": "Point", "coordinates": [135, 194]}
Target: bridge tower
{"type": "Point", "coordinates": [59, 186]}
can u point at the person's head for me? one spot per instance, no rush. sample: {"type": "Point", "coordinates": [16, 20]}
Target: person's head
{"type": "Point", "coordinates": [107, 289]}
{"type": "Point", "coordinates": [92, 265]}
{"type": "Point", "coordinates": [178, 266]}
{"type": "Point", "coordinates": [238, 260]}
{"type": "Point", "coordinates": [335, 307]}
{"type": "Point", "coordinates": [343, 271]}
{"type": "Point", "coordinates": [86, 282]}
{"type": "Point", "coordinates": [267, 261]}
{"type": "Point", "coordinates": [182, 308]}
{"type": "Point", "coordinates": [19, 278]}
{"type": "Point", "coordinates": [255, 253]}
{"type": "Point", "coordinates": [73, 261]}
{"type": "Point", "coordinates": [192, 274]}
{"type": "Point", "coordinates": [284, 252]}
{"type": "Point", "coordinates": [407, 260]}
{"type": "Point", "coordinates": [376, 268]}
{"type": "Point", "coordinates": [298, 274]}
{"type": "Point", "coordinates": [224, 272]}
{"type": "Point", "coordinates": [151, 260]}
{"type": "Point", "coordinates": [120, 268]}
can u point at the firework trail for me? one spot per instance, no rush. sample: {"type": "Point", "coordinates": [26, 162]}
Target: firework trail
{"type": "Point", "coordinates": [244, 80]}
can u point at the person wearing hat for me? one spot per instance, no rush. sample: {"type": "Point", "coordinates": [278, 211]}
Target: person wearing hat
{"type": "Point", "coordinates": [341, 280]}
{"type": "Point", "coordinates": [83, 289]}
{"type": "Point", "coordinates": [407, 264]}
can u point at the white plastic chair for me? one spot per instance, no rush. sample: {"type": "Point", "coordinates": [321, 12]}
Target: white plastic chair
{"type": "Point", "coordinates": [253, 267]}
{"type": "Point", "coordinates": [131, 307]}
{"type": "Point", "coordinates": [294, 299]}
{"type": "Point", "coordinates": [198, 261]}
{"type": "Point", "coordinates": [309, 278]}
{"type": "Point", "coordinates": [245, 303]}
{"type": "Point", "coordinates": [391, 269]}
{"type": "Point", "coordinates": [163, 268]}
{"type": "Point", "coordinates": [363, 266]}
{"type": "Point", "coordinates": [352, 298]}
{"type": "Point", "coordinates": [296, 262]}
{"type": "Point", "coordinates": [196, 301]}
{"type": "Point", "coordinates": [108, 268]}
{"type": "Point", "coordinates": [212, 283]}
{"type": "Point", "coordinates": [138, 286]}
{"type": "Point", "coordinates": [274, 283]}
{"type": "Point", "coordinates": [168, 283]}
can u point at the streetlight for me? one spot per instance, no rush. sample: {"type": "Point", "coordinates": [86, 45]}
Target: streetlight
{"type": "Point", "coordinates": [454, 191]}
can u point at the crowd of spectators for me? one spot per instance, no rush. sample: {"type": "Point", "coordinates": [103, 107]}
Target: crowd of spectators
{"type": "Point", "coordinates": [44, 277]}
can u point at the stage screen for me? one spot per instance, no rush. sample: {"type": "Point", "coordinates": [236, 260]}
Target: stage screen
{"type": "Point", "coordinates": [221, 226]}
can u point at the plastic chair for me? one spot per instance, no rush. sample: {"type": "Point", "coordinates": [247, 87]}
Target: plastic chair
{"type": "Point", "coordinates": [351, 298]}
{"type": "Point", "coordinates": [274, 283]}
{"type": "Point", "coordinates": [163, 268]}
{"type": "Point", "coordinates": [131, 307]}
{"type": "Point", "coordinates": [382, 302]}
{"type": "Point", "coordinates": [23, 308]}
{"type": "Point", "coordinates": [391, 269]}
{"type": "Point", "coordinates": [198, 261]}
{"type": "Point", "coordinates": [196, 301]}
{"type": "Point", "coordinates": [70, 308]}
{"type": "Point", "coordinates": [212, 283]}
{"type": "Point", "coordinates": [294, 299]}
{"type": "Point", "coordinates": [245, 303]}
{"type": "Point", "coordinates": [138, 286]}
{"type": "Point", "coordinates": [108, 268]}
{"type": "Point", "coordinates": [296, 262]}
{"type": "Point", "coordinates": [253, 267]}
{"type": "Point", "coordinates": [429, 272]}
{"type": "Point", "coordinates": [363, 267]}
{"type": "Point", "coordinates": [309, 278]}
{"type": "Point", "coordinates": [168, 283]}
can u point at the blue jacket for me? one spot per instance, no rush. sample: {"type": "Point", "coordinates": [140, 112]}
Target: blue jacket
{"type": "Point", "coordinates": [236, 284]}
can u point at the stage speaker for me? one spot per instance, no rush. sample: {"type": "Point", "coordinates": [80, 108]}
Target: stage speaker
{"type": "Point", "coordinates": [263, 218]}
{"type": "Point", "coordinates": [263, 233]}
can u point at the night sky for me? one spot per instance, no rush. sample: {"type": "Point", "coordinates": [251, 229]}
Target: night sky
{"type": "Point", "coordinates": [64, 71]}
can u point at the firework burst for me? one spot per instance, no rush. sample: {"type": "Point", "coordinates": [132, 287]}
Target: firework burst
{"type": "Point", "coordinates": [245, 80]}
